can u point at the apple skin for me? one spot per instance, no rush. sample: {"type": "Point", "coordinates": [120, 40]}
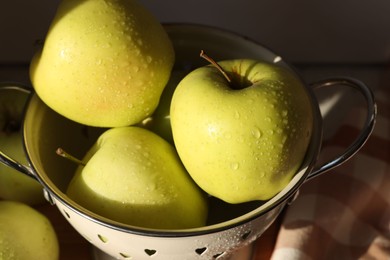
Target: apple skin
{"type": "Point", "coordinates": [25, 233]}
{"type": "Point", "coordinates": [135, 177]}
{"type": "Point", "coordinates": [160, 122]}
{"type": "Point", "coordinates": [13, 184]}
{"type": "Point", "coordinates": [104, 63]}
{"type": "Point", "coordinates": [241, 144]}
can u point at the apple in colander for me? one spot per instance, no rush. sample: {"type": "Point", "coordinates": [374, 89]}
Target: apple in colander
{"type": "Point", "coordinates": [103, 63]}
{"type": "Point", "coordinates": [241, 127]}
{"type": "Point", "coordinates": [133, 176]}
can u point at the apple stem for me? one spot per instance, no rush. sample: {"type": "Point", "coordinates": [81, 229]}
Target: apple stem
{"type": "Point", "coordinates": [215, 64]}
{"type": "Point", "coordinates": [68, 156]}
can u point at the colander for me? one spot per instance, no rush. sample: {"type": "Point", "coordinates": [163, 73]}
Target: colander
{"type": "Point", "coordinates": [229, 227]}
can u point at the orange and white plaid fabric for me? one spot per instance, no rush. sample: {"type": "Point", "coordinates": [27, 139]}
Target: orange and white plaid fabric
{"type": "Point", "coordinates": [344, 213]}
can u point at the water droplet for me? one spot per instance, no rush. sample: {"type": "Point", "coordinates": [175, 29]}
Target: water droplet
{"type": "Point", "coordinates": [227, 135]}
{"type": "Point", "coordinates": [237, 114]}
{"type": "Point", "coordinates": [284, 113]}
{"type": "Point", "coordinates": [234, 166]}
{"type": "Point", "coordinates": [277, 59]}
{"type": "Point", "coordinates": [256, 133]}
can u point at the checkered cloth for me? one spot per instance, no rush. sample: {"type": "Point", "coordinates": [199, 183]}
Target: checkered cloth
{"type": "Point", "coordinates": [344, 213]}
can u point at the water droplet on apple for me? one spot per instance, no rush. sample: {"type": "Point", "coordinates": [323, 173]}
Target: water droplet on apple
{"type": "Point", "coordinates": [277, 59]}
{"type": "Point", "coordinates": [234, 166]}
{"type": "Point", "coordinates": [236, 114]}
{"type": "Point", "coordinates": [256, 133]}
{"type": "Point", "coordinates": [227, 135]}
{"type": "Point", "coordinates": [149, 59]}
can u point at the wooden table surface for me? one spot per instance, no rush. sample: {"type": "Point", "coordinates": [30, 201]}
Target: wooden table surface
{"type": "Point", "coordinates": [74, 247]}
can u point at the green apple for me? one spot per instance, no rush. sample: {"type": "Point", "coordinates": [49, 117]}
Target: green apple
{"type": "Point", "coordinates": [243, 140]}
{"type": "Point", "coordinates": [13, 184]}
{"type": "Point", "coordinates": [25, 233]}
{"type": "Point", "coordinates": [133, 176]}
{"type": "Point", "coordinates": [159, 122]}
{"type": "Point", "coordinates": [104, 63]}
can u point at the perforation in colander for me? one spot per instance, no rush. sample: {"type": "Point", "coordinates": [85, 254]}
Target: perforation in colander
{"type": "Point", "coordinates": [150, 252]}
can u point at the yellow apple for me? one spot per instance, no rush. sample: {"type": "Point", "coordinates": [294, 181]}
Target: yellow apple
{"type": "Point", "coordinates": [133, 176]}
{"type": "Point", "coordinates": [13, 184]}
{"type": "Point", "coordinates": [104, 63]}
{"type": "Point", "coordinates": [244, 140]}
{"type": "Point", "coordinates": [160, 122]}
{"type": "Point", "coordinates": [25, 233]}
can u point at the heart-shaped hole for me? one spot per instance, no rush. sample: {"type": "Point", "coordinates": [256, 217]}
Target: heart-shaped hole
{"type": "Point", "coordinates": [216, 256]}
{"type": "Point", "coordinates": [150, 252]}
{"type": "Point", "coordinates": [103, 238]}
{"type": "Point", "coordinates": [246, 235]}
{"type": "Point", "coordinates": [66, 214]}
{"type": "Point", "coordinates": [200, 251]}
{"type": "Point", "coordinates": [126, 256]}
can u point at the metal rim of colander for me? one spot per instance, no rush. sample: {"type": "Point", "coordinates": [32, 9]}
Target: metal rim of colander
{"type": "Point", "coordinates": [310, 159]}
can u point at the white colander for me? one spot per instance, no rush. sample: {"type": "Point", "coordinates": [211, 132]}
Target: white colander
{"type": "Point", "coordinates": [229, 227]}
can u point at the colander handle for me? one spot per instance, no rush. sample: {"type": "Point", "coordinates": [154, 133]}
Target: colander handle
{"type": "Point", "coordinates": [367, 127]}
{"type": "Point", "coordinates": [5, 159]}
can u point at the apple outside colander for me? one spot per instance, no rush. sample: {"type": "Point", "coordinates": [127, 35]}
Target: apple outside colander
{"type": "Point", "coordinates": [229, 227]}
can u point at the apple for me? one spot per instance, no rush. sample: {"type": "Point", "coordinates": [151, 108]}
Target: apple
{"type": "Point", "coordinates": [103, 63]}
{"type": "Point", "coordinates": [25, 233]}
{"type": "Point", "coordinates": [241, 140]}
{"type": "Point", "coordinates": [133, 176]}
{"type": "Point", "coordinates": [13, 184]}
{"type": "Point", "coordinates": [159, 122]}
